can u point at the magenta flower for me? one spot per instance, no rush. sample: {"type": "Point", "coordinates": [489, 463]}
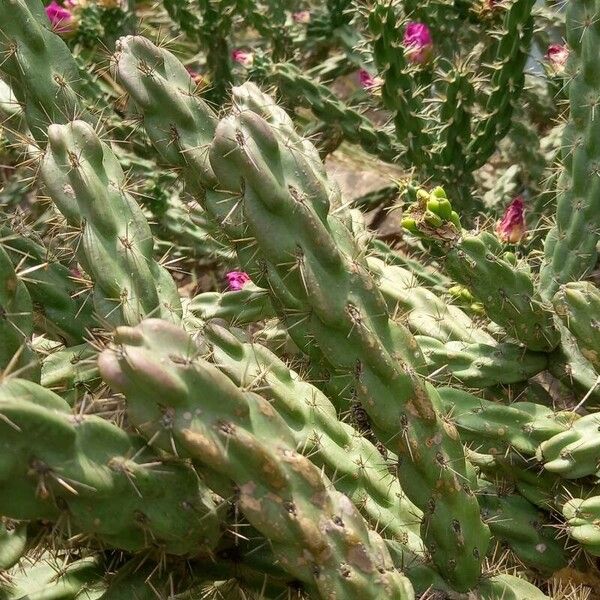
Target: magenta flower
{"type": "Point", "coordinates": [511, 229]}
{"type": "Point", "coordinates": [417, 42]}
{"type": "Point", "coordinates": [237, 280]}
{"type": "Point", "coordinates": [242, 57]}
{"type": "Point", "coordinates": [302, 17]}
{"type": "Point", "coordinates": [60, 17]}
{"type": "Point", "coordinates": [556, 57]}
{"type": "Point", "coordinates": [367, 81]}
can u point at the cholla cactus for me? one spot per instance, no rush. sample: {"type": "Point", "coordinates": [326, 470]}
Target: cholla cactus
{"type": "Point", "coordinates": [215, 381]}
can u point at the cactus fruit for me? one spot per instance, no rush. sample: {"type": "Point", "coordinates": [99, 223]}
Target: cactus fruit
{"type": "Point", "coordinates": [480, 263]}
{"type": "Point", "coordinates": [316, 533]}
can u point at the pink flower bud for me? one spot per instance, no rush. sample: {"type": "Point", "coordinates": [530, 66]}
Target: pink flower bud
{"type": "Point", "coordinates": [367, 81]}
{"type": "Point", "coordinates": [237, 280]}
{"type": "Point", "coordinates": [60, 17]}
{"type": "Point", "coordinates": [196, 77]}
{"type": "Point", "coordinates": [556, 57]}
{"type": "Point", "coordinates": [302, 17]}
{"type": "Point", "coordinates": [511, 229]}
{"type": "Point", "coordinates": [417, 42]}
{"type": "Point", "coordinates": [242, 57]}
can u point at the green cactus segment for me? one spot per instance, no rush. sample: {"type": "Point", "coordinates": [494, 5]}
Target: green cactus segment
{"type": "Point", "coordinates": [575, 452]}
{"type": "Point", "coordinates": [518, 525]}
{"type": "Point", "coordinates": [507, 82]}
{"type": "Point", "coordinates": [356, 128]}
{"type": "Point", "coordinates": [16, 324]}
{"type": "Point", "coordinates": [480, 365]}
{"type": "Point", "coordinates": [570, 367]}
{"type": "Point", "coordinates": [13, 543]}
{"type": "Point", "coordinates": [187, 405]}
{"type": "Point", "coordinates": [578, 305]}
{"type": "Point", "coordinates": [424, 311]}
{"type": "Point", "coordinates": [58, 310]}
{"type": "Point", "coordinates": [398, 93]}
{"type": "Point", "coordinates": [69, 372]}
{"type": "Point", "coordinates": [307, 253]}
{"type": "Point", "coordinates": [354, 465]}
{"type": "Point", "coordinates": [86, 183]}
{"type": "Point", "coordinates": [583, 518]}
{"type": "Point", "coordinates": [509, 587]}
{"type": "Point", "coordinates": [56, 465]}
{"type": "Point", "coordinates": [480, 263]}
{"type": "Point", "coordinates": [494, 428]}
{"type": "Point", "coordinates": [570, 246]}
{"type": "Point", "coordinates": [241, 307]}
{"type": "Point", "coordinates": [50, 578]}
{"type": "Point", "coordinates": [39, 67]}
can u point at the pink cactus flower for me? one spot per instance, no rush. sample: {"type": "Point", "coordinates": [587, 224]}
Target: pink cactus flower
{"type": "Point", "coordinates": [367, 81]}
{"type": "Point", "coordinates": [302, 17]}
{"type": "Point", "coordinates": [417, 42]}
{"type": "Point", "coordinates": [60, 17]}
{"type": "Point", "coordinates": [237, 280]}
{"type": "Point", "coordinates": [511, 229]}
{"type": "Point", "coordinates": [556, 58]}
{"type": "Point", "coordinates": [242, 57]}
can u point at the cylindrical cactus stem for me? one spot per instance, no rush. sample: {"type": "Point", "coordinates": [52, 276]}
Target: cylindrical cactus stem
{"type": "Point", "coordinates": [57, 308]}
{"type": "Point", "coordinates": [39, 67]}
{"type": "Point", "coordinates": [57, 465]}
{"type": "Point", "coordinates": [478, 364]}
{"type": "Point", "coordinates": [69, 372]}
{"type": "Point", "coordinates": [238, 307]}
{"type": "Point", "coordinates": [507, 82]}
{"type": "Point", "coordinates": [354, 465]}
{"type": "Point", "coordinates": [570, 247]}
{"type": "Point", "coordinates": [13, 542]}
{"type": "Point", "coordinates": [294, 85]}
{"type": "Point", "coordinates": [578, 305]}
{"type": "Point", "coordinates": [187, 405]}
{"type": "Point", "coordinates": [516, 524]}
{"type": "Point", "coordinates": [496, 428]}
{"type": "Point", "coordinates": [481, 263]}
{"type": "Point", "coordinates": [575, 451]}
{"type": "Point", "coordinates": [87, 184]}
{"type": "Point", "coordinates": [16, 324]}
{"type": "Point", "coordinates": [307, 252]}
{"type": "Point", "coordinates": [583, 517]}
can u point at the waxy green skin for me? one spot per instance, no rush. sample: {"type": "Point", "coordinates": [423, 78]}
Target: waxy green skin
{"type": "Point", "coordinates": [583, 516]}
{"type": "Point", "coordinates": [39, 68]}
{"type": "Point", "coordinates": [354, 465]}
{"type": "Point", "coordinates": [307, 253]}
{"type": "Point", "coordinates": [13, 543]}
{"type": "Point", "coordinates": [86, 183]}
{"type": "Point", "coordinates": [16, 324]}
{"type": "Point", "coordinates": [494, 428]}
{"type": "Point", "coordinates": [578, 305]}
{"type": "Point", "coordinates": [56, 465]}
{"type": "Point", "coordinates": [70, 372]}
{"type": "Point", "coordinates": [570, 246]}
{"type": "Point", "coordinates": [480, 263]}
{"type": "Point", "coordinates": [239, 307]}
{"type": "Point", "coordinates": [51, 287]}
{"type": "Point", "coordinates": [182, 402]}
{"type": "Point", "coordinates": [575, 452]}
{"type": "Point", "coordinates": [524, 529]}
